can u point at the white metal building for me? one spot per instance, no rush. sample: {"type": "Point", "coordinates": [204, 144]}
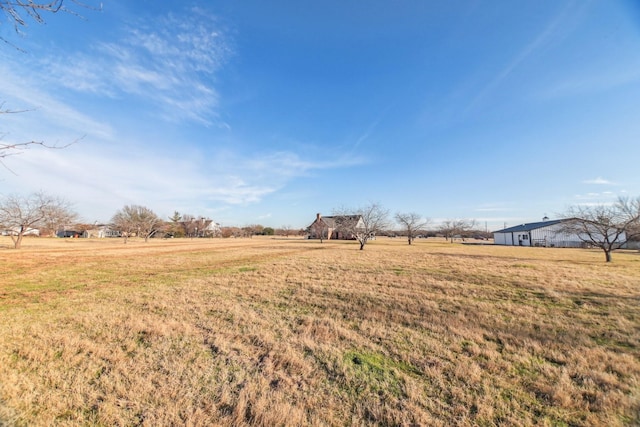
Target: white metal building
{"type": "Point", "coordinates": [545, 233]}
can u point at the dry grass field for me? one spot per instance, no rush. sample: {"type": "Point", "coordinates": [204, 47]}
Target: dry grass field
{"type": "Point", "coordinates": [293, 332]}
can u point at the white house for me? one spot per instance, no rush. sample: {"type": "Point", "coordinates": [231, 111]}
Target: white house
{"type": "Point", "coordinates": [545, 233]}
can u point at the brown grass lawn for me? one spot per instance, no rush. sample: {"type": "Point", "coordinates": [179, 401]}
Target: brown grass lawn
{"type": "Point", "coordinates": [294, 332]}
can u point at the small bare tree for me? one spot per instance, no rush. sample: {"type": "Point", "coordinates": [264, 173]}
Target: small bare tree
{"type": "Point", "coordinates": [363, 223]}
{"type": "Point", "coordinates": [319, 230]}
{"type": "Point", "coordinates": [136, 220]}
{"type": "Point", "coordinates": [286, 230]}
{"type": "Point", "coordinates": [412, 223]}
{"type": "Point", "coordinates": [456, 227]}
{"type": "Point", "coordinates": [607, 227]}
{"type": "Point", "coordinates": [20, 215]}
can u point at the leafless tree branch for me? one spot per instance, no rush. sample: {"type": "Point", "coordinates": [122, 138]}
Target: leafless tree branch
{"type": "Point", "coordinates": [363, 223]}
{"type": "Point", "coordinates": [19, 12]}
{"type": "Point", "coordinates": [412, 223]}
{"type": "Point", "coordinates": [607, 227]}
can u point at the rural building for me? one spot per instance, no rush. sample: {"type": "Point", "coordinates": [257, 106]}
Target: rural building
{"type": "Point", "coordinates": [70, 233]}
{"type": "Point", "coordinates": [544, 233]}
{"type": "Point", "coordinates": [332, 227]}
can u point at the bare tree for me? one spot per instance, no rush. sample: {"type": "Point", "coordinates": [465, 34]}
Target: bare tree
{"type": "Point", "coordinates": [20, 12]}
{"type": "Point", "coordinates": [124, 223]}
{"type": "Point", "coordinates": [319, 229]}
{"type": "Point", "coordinates": [252, 230]}
{"type": "Point", "coordinates": [363, 223]}
{"type": "Point", "coordinates": [607, 227]}
{"type": "Point", "coordinates": [412, 223]}
{"type": "Point", "coordinates": [189, 225]}
{"type": "Point", "coordinates": [451, 228]}
{"type": "Point", "coordinates": [286, 230]}
{"type": "Point", "coordinates": [136, 220]}
{"type": "Point", "coordinates": [21, 215]}
{"type": "Point", "coordinates": [148, 222]}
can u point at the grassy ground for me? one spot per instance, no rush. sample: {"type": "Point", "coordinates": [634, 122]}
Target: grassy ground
{"type": "Point", "coordinates": [294, 332]}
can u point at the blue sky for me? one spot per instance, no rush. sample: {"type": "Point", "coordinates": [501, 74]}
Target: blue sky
{"type": "Point", "coordinates": [268, 112]}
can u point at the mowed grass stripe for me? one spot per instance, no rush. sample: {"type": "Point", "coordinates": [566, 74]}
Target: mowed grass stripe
{"type": "Point", "coordinates": [277, 332]}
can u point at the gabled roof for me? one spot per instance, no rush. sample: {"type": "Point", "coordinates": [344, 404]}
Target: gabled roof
{"type": "Point", "coordinates": [530, 226]}
{"type": "Point", "coordinates": [335, 221]}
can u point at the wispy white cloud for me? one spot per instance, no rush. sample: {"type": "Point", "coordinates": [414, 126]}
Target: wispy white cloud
{"type": "Point", "coordinates": [46, 114]}
{"type": "Point", "coordinates": [99, 179]}
{"type": "Point", "coordinates": [598, 181]}
{"type": "Point", "coordinates": [597, 198]}
{"type": "Point", "coordinates": [112, 166]}
{"type": "Point", "coordinates": [170, 62]}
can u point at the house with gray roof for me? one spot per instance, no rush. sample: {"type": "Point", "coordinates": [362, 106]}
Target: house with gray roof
{"type": "Point", "coordinates": [334, 227]}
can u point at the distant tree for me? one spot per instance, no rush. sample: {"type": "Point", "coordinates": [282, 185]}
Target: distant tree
{"type": "Point", "coordinates": [59, 215]}
{"type": "Point", "coordinates": [452, 228]}
{"type": "Point", "coordinates": [285, 230]}
{"type": "Point", "coordinates": [148, 222]}
{"type": "Point", "coordinates": [412, 223]}
{"type": "Point", "coordinates": [189, 225]}
{"type": "Point", "coordinates": [319, 229]}
{"type": "Point", "coordinates": [268, 231]}
{"type": "Point", "coordinates": [19, 215]}
{"type": "Point", "coordinates": [227, 232]}
{"type": "Point", "coordinates": [607, 227]}
{"type": "Point", "coordinates": [247, 231]}
{"type": "Point", "coordinates": [136, 220]}
{"type": "Point", "coordinates": [363, 223]}
{"type": "Point", "coordinates": [175, 227]}
{"type": "Point", "coordinates": [252, 230]}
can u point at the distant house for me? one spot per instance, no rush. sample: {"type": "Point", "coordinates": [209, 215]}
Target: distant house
{"type": "Point", "coordinates": [70, 233]}
{"type": "Point", "coordinates": [200, 227]}
{"type": "Point", "coordinates": [333, 227]}
{"type": "Point", "coordinates": [212, 228]}
{"type": "Point", "coordinates": [101, 231]}
{"type": "Point", "coordinates": [544, 233]}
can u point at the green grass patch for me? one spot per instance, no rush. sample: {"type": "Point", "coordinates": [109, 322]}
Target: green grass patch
{"type": "Point", "coordinates": [377, 373]}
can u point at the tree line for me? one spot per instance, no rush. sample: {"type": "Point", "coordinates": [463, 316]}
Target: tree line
{"type": "Point", "coordinates": [42, 214]}
{"type": "Point", "coordinates": [607, 227]}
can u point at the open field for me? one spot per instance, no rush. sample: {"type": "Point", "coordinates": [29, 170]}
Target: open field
{"type": "Point", "coordinates": [294, 332]}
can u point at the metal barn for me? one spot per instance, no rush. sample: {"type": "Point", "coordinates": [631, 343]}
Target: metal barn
{"type": "Point", "coordinates": [544, 233]}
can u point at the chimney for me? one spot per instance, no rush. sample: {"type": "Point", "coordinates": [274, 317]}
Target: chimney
{"type": "Point", "coordinates": [318, 216]}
